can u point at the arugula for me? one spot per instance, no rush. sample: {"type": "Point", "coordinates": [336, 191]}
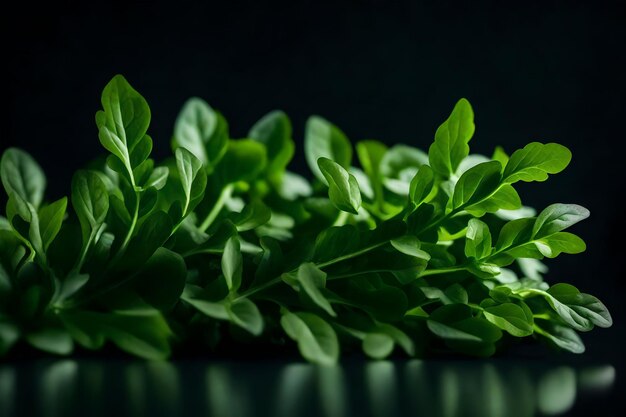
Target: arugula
{"type": "Point", "coordinates": [426, 252]}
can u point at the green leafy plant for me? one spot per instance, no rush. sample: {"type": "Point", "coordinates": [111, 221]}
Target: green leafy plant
{"type": "Point", "coordinates": [425, 252]}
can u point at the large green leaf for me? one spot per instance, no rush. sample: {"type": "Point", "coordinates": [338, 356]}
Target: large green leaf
{"type": "Point", "coordinates": [451, 139]}
{"type": "Point", "coordinates": [202, 131]}
{"type": "Point", "coordinates": [535, 161]}
{"type": "Point", "coordinates": [477, 184]}
{"type": "Point", "coordinates": [317, 341]}
{"type": "Point", "coordinates": [90, 199]}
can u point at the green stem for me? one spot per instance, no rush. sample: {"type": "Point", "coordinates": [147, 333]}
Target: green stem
{"type": "Point", "coordinates": [441, 271]}
{"type": "Point", "coordinates": [215, 211]}
{"type": "Point", "coordinates": [278, 279]}
{"type": "Point", "coordinates": [131, 230]}
{"type": "Point", "coordinates": [341, 218]}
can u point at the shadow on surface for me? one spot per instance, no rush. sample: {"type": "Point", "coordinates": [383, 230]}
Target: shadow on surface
{"type": "Point", "coordinates": [404, 388]}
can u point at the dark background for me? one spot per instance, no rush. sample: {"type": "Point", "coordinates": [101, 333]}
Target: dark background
{"type": "Point", "coordinates": [378, 69]}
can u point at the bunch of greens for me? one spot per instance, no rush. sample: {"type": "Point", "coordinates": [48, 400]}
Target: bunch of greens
{"type": "Point", "coordinates": [428, 252]}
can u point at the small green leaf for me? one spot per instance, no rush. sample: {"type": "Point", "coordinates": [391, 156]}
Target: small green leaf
{"type": "Point", "coordinates": [476, 184]}
{"type": "Point", "coordinates": [50, 220]}
{"type": "Point", "coordinates": [232, 263]}
{"type": "Point", "coordinates": [323, 139]}
{"type": "Point", "coordinates": [371, 153]}
{"type": "Point", "coordinates": [90, 199]}
{"type": "Point", "coordinates": [274, 131]}
{"type": "Point", "coordinates": [500, 155]}
{"type": "Point", "coordinates": [535, 161]}
{"type": "Point", "coordinates": [511, 318]}
{"type": "Point", "coordinates": [52, 340]}
{"type": "Point", "coordinates": [421, 185]}
{"type": "Point", "coordinates": [317, 341]}
{"type": "Point", "coordinates": [9, 334]}
{"type": "Point", "coordinates": [451, 139]}
{"type": "Point", "coordinates": [253, 215]}
{"type": "Point", "coordinates": [244, 160]}
{"type": "Point", "coordinates": [557, 217]}
{"type": "Point", "coordinates": [343, 188]}
{"type": "Point", "coordinates": [192, 178]}
{"type": "Point", "coordinates": [477, 240]}
{"type": "Point", "coordinates": [22, 175]}
{"type": "Point", "coordinates": [410, 245]}
{"type": "Point", "coordinates": [245, 314]}
{"type": "Point", "coordinates": [202, 131]}
{"type": "Point", "coordinates": [313, 281]}
{"type": "Point", "coordinates": [378, 345]}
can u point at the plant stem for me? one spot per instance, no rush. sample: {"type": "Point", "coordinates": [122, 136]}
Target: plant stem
{"type": "Point", "coordinates": [215, 211]}
{"type": "Point", "coordinates": [278, 279]}
{"type": "Point", "coordinates": [341, 219]}
{"type": "Point", "coordinates": [441, 271]}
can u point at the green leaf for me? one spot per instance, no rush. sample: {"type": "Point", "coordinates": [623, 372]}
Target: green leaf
{"type": "Point", "coordinates": [232, 264]}
{"type": "Point", "coordinates": [476, 184]}
{"type": "Point", "coordinates": [343, 189]}
{"type": "Point", "coordinates": [161, 280]}
{"type": "Point", "coordinates": [22, 176]}
{"type": "Point", "coordinates": [9, 334]}
{"type": "Point", "coordinates": [123, 123]}
{"type": "Point", "coordinates": [52, 340]}
{"type": "Point", "coordinates": [505, 198]}
{"type": "Point", "coordinates": [317, 341]}
{"type": "Point", "coordinates": [200, 300]}
{"type": "Point", "coordinates": [455, 322]}
{"type": "Point", "coordinates": [585, 305]}
{"type": "Point", "coordinates": [142, 333]}
{"type": "Point", "coordinates": [557, 217]}
{"type": "Point", "coordinates": [561, 336]}
{"type": "Point", "coordinates": [535, 161]}
{"type": "Point", "coordinates": [313, 281]}
{"type": "Point", "coordinates": [371, 154]}
{"type": "Point", "coordinates": [202, 131]}
{"type": "Point", "coordinates": [421, 185]}
{"type": "Point", "coordinates": [274, 131]}
{"type": "Point", "coordinates": [244, 160]}
{"type": "Point", "coordinates": [90, 199]}
{"type": "Point", "coordinates": [511, 318]}
{"type": "Point", "coordinates": [50, 220]}
{"type": "Point", "coordinates": [451, 139]}
{"type": "Point", "coordinates": [378, 345]}
{"type": "Point", "coordinates": [245, 314]}
{"type": "Point", "coordinates": [500, 155]}
{"type": "Point", "coordinates": [477, 240]}
{"type": "Point", "coordinates": [253, 215]}
{"type": "Point", "coordinates": [323, 139]}
{"type": "Point", "coordinates": [410, 245]}
{"type": "Point", "coordinates": [561, 242]}
{"type": "Point", "coordinates": [193, 179]}
{"type": "Point", "coordinates": [152, 234]}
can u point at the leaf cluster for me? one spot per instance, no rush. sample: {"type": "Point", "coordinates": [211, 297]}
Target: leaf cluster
{"type": "Point", "coordinates": [386, 248]}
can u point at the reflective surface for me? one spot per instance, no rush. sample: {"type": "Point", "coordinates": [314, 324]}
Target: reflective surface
{"type": "Point", "coordinates": [228, 389]}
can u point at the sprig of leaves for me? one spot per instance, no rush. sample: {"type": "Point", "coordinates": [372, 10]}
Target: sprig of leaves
{"type": "Point", "coordinates": [428, 252]}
